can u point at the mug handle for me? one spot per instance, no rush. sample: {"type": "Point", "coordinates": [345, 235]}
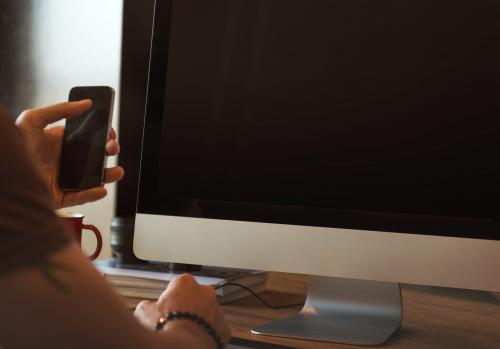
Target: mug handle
{"type": "Point", "coordinates": [98, 236]}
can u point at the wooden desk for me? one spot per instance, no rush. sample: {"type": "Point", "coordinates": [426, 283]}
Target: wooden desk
{"type": "Point", "coordinates": [432, 318]}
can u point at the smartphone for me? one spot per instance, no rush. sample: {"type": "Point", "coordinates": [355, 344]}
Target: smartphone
{"type": "Point", "coordinates": [83, 156]}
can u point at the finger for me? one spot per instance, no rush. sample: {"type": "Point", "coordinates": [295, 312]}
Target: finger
{"type": "Point", "coordinates": [42, 117]}
{"type": "Point", "coordinates": [147, 313]}
{"type": "Point", "coordinates": [143, 306]}
{"type": "Point", "coordinates": [112, 148]}
{"type": "Point", "coordinates": [210, 291]}
{"type": "Point", "coordinates": [184, 280]}
{"type": "Point", "coordinates": [84, 196]}
{"type": "Point", "coordinates": [113, 174]}
{"type": "Point", "coordinates": [220, 322]}
{"type": "Point", "coordinates": [226, 335]}
{"type": "Point", "coordinates": [179, 282]}
{"type": "Point", "coordinates": [222, 326]}
{"type": "Point", "coordinates": [112, 133]}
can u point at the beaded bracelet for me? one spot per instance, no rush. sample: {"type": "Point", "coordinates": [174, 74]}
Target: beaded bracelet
{"type": "Point", "coordinates": [184, 315]}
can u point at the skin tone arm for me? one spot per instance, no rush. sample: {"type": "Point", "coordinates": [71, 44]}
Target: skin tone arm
{"type": "Point", "coordinates": [80, 310]}
{"type": "Point", "coordinates": [63, 302]}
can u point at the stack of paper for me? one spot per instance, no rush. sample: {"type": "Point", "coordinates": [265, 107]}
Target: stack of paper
{"type": "Point", "coordinates": [147, 284]}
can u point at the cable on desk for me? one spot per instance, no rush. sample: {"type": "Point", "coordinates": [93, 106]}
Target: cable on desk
{"type": "Point", "coordinates": [257, 296]}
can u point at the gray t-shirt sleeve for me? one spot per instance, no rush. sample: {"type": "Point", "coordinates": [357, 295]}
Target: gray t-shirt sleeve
{"type": "Point", "coordinates": [29, 228]}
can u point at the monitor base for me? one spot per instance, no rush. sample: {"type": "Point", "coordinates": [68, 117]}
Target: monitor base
{"type": "Point", "coordinates": [343, 311]}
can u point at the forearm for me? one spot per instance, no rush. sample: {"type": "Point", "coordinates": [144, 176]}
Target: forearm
{"type": "Point", "coordinates": [65, 303]}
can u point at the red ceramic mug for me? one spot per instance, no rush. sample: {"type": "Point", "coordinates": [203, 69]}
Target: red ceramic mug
{"type": "Point", "coordinates": [74, 224]}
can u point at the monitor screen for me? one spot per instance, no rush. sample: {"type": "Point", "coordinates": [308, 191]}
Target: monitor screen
{"type": "Point", "coordinates": [375, 115]}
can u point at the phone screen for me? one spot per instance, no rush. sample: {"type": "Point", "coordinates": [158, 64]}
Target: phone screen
{"type": "Point", "coordinates": [85, 136]}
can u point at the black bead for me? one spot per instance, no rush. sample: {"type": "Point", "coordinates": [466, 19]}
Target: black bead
{"type": "Point", "coordinates": [160, 324]}
{"type": "Point", "coordinates": [196, 319]}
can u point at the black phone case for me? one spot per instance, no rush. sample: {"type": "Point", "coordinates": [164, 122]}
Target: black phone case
{"type": "Point", "coordinates": [83, 156]}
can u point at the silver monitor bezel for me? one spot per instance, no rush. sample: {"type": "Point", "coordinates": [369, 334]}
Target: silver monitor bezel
{"type": "Point", "coordinates": [347, 253]}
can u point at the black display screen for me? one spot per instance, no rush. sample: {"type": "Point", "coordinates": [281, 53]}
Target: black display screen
{"type": "Point", "coordinates": [377, 115]}
{"type": "Point", "coordinates": [85, 136]}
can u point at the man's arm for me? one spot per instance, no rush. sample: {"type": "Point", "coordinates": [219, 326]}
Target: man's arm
{"type": "Point", "coordinates": [65, 303]}
{"type": "Point", "coordinates": [50, 295]}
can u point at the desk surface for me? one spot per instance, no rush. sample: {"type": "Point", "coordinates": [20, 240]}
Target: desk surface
{"type": "Point", "coordinates": [432, 318]}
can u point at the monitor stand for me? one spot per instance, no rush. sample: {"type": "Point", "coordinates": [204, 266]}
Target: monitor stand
{"type": "Point", "coordinates": [343, 311]}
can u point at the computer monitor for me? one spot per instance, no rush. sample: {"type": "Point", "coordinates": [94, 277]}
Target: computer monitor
{"type": "Point", "coordinates": [354, 141]}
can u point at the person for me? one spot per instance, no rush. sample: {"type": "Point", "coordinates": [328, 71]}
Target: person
{"type": "Point", "coordinates": [50, 294]}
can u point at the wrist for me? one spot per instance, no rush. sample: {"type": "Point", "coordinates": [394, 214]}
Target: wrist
{"type": "Point", "coordinates": [196, 320]}
{"type": "Point", "coordinates": [192, 334]}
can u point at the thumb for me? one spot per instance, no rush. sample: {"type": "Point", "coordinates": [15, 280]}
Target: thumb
{"type": "Point", "coordinates": [83, 197]}
{"type": "Point", "coordinates": [41, 117]}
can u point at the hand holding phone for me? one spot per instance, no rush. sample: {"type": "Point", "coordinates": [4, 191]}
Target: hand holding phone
{"type": "Point", "coordinates": [83, 156]}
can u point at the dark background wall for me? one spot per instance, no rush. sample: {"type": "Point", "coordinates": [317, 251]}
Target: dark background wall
{"type": "Point", "coordinates": [16, 64]}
